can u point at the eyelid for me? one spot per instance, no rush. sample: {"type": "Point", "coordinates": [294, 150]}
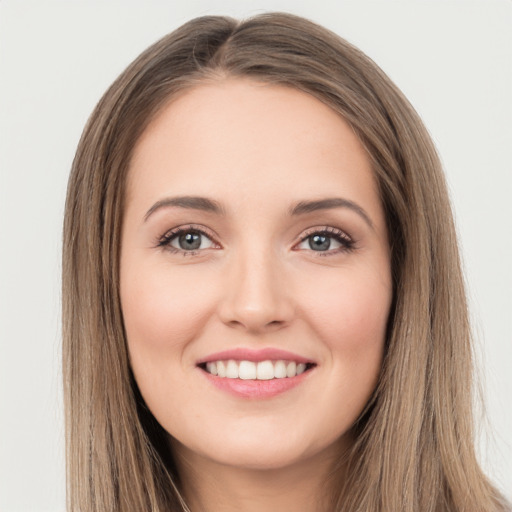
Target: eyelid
{"type": "Point", "coordinates": [164, 240]}
{"type": "Point", "coordinates": [326, 229]}
{"type": "Point", "coordinates": [342, 237]}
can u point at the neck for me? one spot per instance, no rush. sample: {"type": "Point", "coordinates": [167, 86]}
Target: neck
{"type": "Point", "coordinates": [208, 486]}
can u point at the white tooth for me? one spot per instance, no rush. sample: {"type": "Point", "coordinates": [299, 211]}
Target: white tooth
{"type": "Point", "coordinates": [211, 368]}
{"type": "Point", "coordinates": [291, 369]}
{"type": "Point", "coordinates": [232, 369]}
{"type": "Point", "coordinates": [301, 368]}
{"type": "Point", "coordinates": [247, 370]}
{"type": "Point", "coordinates": [265, 370]}
{"type": "Point", "coordinates": [280, 370]}
{"type": "Point", "coordinates": [221, 369]}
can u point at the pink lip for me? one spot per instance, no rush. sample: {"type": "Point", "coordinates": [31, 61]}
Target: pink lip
{"type": "Point", "coordinates": [246, 354]}
{"type": "Point", "coordinates": [256, 389]}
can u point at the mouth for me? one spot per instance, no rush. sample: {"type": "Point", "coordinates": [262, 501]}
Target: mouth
{"type": "Point", "coordinates": [267, 369]}
{"type": "Point", "coordinates": [256, 374]}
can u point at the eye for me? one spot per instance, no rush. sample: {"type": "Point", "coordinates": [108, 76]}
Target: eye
{"type": "Point", "coordinates": [326, 240]}
{"type": "Point", "coordinates": [187, 240]}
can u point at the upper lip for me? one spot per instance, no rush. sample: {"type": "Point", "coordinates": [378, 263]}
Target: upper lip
{"type": "Point", "coordinates": [247, 354]}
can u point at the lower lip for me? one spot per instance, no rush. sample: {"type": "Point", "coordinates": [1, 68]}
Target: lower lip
{"type": "Point", "coordinates": [256, 389]}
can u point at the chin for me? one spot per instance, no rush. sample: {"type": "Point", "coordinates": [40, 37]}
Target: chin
{"type": "Point", "coordinates": [252, 452]}
{"type": "Point", "coordinates": [259, 460]}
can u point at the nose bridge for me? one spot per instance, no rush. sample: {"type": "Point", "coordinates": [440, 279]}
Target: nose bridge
{"type": "Point", "coordinates": [256, 297]}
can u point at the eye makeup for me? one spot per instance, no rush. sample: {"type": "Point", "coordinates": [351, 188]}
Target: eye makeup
{"type": "Point", "coordinates": [187, 240]}
{"type": "Point", "coordinates": [320, 240]}
{"type": "Point", "coordinates": [191, 239]}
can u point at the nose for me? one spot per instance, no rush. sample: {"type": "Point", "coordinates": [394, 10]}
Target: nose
{"type": "Point", "coordinates": [256, 297]}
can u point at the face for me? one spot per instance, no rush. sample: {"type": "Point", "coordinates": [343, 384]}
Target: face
{"type": "Point", "coordinates": [255, 274]}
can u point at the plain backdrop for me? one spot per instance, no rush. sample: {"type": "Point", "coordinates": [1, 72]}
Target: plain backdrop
{"type": "Point", "coordinates": [453, 61]}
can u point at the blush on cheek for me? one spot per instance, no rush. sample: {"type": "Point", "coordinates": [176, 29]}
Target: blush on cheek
{"type": "Point", "coordinates": [352, 316]}
{"type": "Point", "coordinates": [161, 311]}
{"type": "Point", "coordinates": [158, 327]}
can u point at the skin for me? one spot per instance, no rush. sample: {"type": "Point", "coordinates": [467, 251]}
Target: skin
{"type": "Point", "coordinates": [257, 150]}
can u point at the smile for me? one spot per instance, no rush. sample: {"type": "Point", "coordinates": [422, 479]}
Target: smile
{"type": "Point", "coordinates": [256, 374]}
{"type": "Point", "coordinates": [251, 370]}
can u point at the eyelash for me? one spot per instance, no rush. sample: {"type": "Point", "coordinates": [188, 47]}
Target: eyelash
{"type": "Point", "coordinates": [346, 243]}
{"type": "Point", "coordinates": [169, 236]}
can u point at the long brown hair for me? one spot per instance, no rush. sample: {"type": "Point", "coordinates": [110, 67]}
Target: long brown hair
{"type": "Point", "coordinates": [414, 442]}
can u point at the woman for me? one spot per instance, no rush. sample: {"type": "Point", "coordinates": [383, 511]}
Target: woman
{"type": "Point", "coordinates": [263, 303]}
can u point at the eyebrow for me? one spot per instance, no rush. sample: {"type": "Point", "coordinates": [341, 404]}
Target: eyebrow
{"type": "Point", "coordinates": [300, 208]}
{"type": "Point", "coordinates": [190, 202]}
{"type": "Point", "coordinates": [330, 203]}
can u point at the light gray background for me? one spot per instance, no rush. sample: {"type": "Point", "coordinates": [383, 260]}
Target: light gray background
{"type": "Point", "coordinates": [451, 58]}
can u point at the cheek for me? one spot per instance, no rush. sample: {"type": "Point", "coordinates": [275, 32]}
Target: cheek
{"type": "Point", "coordinates": [350, 311]}
{"type": "Point", "coordinates": [349, 315]}
{"type": "Point", "coordinates": [162, 312]}
{"type": "Point", "coordinates": [158, 307]}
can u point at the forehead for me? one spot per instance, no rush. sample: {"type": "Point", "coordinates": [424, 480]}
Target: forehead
{"type": "Point", "coordinates": [243, 139]}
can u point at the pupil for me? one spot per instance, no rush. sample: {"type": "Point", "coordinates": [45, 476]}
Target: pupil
{"type": "Point", "coordinates": [319, 242]}
{"type": "Point", "coordinates": [190, 241]}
